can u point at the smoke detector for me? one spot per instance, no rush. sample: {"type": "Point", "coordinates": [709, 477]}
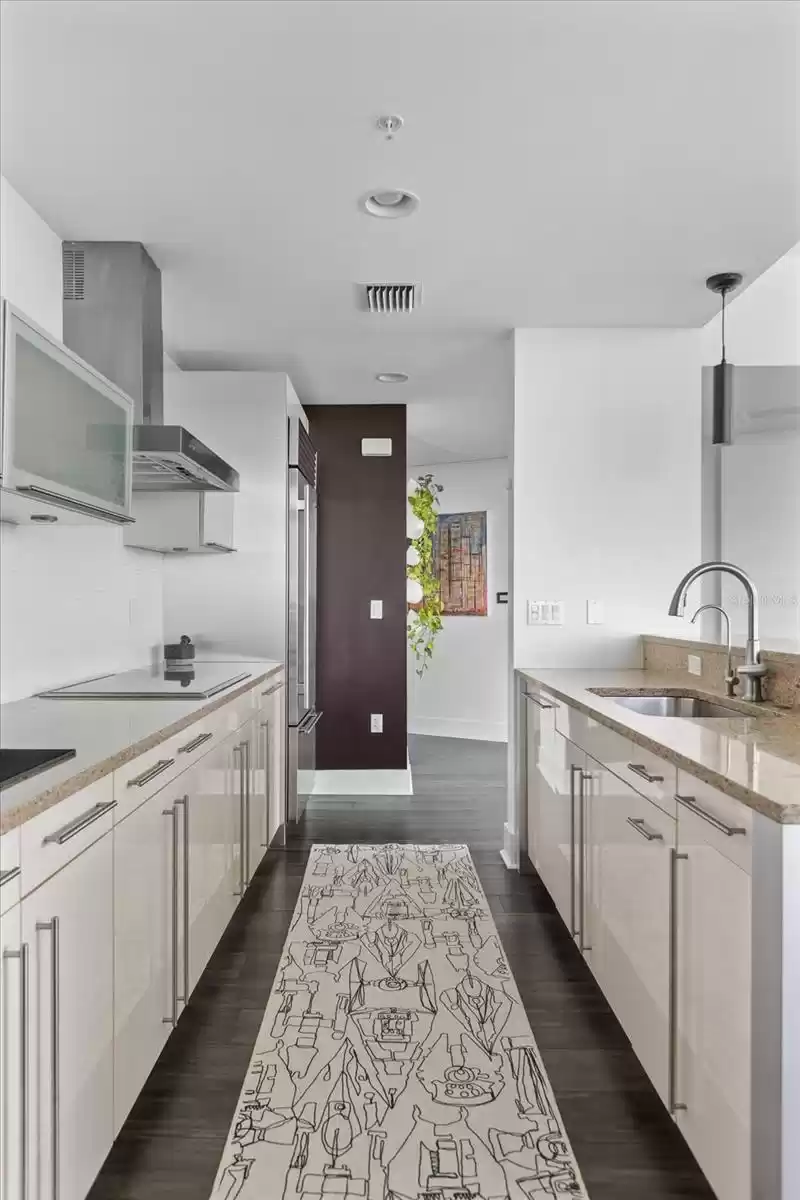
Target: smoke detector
{"type": "Point", "coordinates": [390, 203]}
{"type": "Point", "coordinates": [390, 297]}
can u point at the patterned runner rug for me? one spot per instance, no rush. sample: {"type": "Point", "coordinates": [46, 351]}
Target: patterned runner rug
{"type": "Point", "coordinates": [395, 1060]}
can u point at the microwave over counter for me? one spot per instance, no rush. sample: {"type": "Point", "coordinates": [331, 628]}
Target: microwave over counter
{"type": "Point", "coordinates": [66, 432]}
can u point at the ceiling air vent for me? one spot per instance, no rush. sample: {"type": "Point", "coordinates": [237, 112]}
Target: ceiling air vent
{"type": "Point", "coordinates": [72, 272]}
{"type": "Point", "coordinates": [391, 297]}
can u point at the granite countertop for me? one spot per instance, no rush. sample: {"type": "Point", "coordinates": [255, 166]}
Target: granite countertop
{"type": "Point", "coordinates": [755, 757]}
{"type": "Point", "coordinates": [105, 734]}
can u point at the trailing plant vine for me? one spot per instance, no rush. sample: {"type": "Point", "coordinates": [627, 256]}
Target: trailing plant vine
{"type": "Point", "coordinates": [425, 617]}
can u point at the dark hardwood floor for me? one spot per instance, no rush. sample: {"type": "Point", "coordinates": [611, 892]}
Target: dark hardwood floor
{"type": "Point", "coordinates": [626, 1145]}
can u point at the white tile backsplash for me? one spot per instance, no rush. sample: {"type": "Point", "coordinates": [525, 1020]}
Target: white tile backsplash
{"type": "Point", "coordinates": [74, 602]}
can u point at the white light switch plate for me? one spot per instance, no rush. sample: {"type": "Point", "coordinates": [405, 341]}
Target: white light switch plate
{"type": "Point", "coordinates": [376, 722]}
{"type": "Point", "coordinates": [545, 612]}
{"type": "Point", "coordinates": [376, 610]}
{"type": "Point", "coordinates": [595, 612]}
{"type": "Point", "coordinates": [694, 664]}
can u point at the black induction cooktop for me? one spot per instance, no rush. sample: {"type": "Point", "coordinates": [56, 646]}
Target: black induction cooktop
{"type": "Point", "coordinates": [21, 764]}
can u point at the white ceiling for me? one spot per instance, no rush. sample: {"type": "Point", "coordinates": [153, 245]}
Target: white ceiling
{"type": "Point", "coordinates": [578, 164]}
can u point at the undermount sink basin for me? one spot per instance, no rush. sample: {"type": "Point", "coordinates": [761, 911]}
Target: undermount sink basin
{"type": "Point", "coordinates": [675, 706]}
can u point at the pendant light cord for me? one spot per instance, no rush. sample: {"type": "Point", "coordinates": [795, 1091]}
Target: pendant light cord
{"type": "Point", "coordinates": [723, 326]}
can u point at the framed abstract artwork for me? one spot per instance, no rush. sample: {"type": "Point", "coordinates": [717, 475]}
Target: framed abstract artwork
{"type": "Point", "coordinates": [459, 556]}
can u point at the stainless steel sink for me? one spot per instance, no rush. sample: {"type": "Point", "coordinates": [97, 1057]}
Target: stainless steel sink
{"type": "Point", "coordinates": [675, 706]}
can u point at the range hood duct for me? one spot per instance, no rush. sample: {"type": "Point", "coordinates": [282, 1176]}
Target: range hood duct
{"type": "Point", "coordinates": [112, 319]}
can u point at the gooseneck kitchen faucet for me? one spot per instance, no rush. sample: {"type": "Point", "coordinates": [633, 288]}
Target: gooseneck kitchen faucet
{"type": "Point", "coordinates": [752, 671]}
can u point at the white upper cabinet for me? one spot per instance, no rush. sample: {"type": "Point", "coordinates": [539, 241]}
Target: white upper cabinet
{"type": "Point", "coordinates": [66, 433]}
{"type": "Point", "coordinates": [183, 522]}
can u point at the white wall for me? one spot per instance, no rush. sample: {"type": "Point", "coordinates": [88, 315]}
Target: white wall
{"type": "Point", "coordinates": [606, 486]}
{"type": "Point", "coordinates": [74, 602]}
{"type": "Point", "coordinates": [463, 693]}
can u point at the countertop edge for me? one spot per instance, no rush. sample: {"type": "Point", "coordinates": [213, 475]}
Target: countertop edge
{"type": "Point", "coordinates": [782, 814]}
{"type": "Point", "coordinates": [16, 817]}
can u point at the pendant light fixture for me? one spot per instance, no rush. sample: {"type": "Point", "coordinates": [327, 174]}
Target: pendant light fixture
{"type": "Point", "coordinates": [721, 284]}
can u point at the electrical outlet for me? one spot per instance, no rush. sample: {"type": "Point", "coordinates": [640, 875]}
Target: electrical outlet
{"type": "Point", "coordinates": [376, 610]}
{"type": "Point", "coordinates": [694, 664]}
{"type": "Point", "coordinates": [376, 722]}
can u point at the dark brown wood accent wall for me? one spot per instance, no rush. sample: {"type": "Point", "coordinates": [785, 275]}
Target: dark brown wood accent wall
{"type": "Point", "coordinates": [361, 663]}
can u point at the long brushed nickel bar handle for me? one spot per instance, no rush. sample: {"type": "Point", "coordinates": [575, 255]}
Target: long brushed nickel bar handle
{"type": "Point", "coordinates": [643, 773]}
{"type": "Point", "coordinates": [9, 874]}
{"type": "Point", "coordinates": [691, 804]}
{"type": "Point", "coordinates": [193, 745]}
{"type": "Point", "coordinates": [584, 778]}
{"type": "Point", "coordinates": [151, 772]}
{"type": "Point", "coordinates": [173, 1018]}
{"type": "Point", "coordinates": [539, 703]}
{"type": "Point", "coordinates": [267, 727]}
{"type": "Point", "coordinates": [672, 1064]}
{"type": "Point", "coordinates": [51, 926]}
{"type": "Point", "coordinates": [22, 956]}
{"type": "Point", "coordinates": [573, 928]}
{"type": "Point", "coordinates": [276, 687]}
{"type": "Point", "coordinates": [641, 826]}
{"type": "Point", "coordinates": [78, 824]}
{"type": "Point", "coordinates": [183, 802]}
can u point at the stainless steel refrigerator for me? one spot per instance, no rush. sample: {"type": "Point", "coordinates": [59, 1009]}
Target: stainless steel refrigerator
{"type": "Point", "coordinates": [303, 715]}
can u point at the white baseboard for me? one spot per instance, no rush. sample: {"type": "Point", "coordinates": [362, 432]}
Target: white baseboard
{"type": "Point", "coordinates": [363, 783]}
{"type": "Point", "coordinates": [510, 851]}
{"type": "Point", "coordinates": [478, 731]}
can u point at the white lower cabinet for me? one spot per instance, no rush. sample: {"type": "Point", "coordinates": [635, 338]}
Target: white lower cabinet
{"type": "Point", "coordinates": [629, 864]}
{"type": "Point", "coordinates": [712, 1084]}
{"type": "Point", "coordinates": [148, 937]}
{"type": "Point", "coordinates": [214, 849]}
{"type": "Point", "coordinates": [267, 807]}
{"type": "Point", "coordinates": [67, 924]}
{"type": "Point", "coordinates": [13, 1032]}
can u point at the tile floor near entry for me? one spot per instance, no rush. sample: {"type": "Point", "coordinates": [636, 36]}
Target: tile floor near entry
{"type": "Point", "coordinates": [626, 1146]}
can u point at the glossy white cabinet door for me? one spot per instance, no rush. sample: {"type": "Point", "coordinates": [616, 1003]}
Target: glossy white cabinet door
{"type": "Point", "coordinates": [714, 980]}
{"type": "Point", "coordinates": [13, 1032]}
{"type": "Point", "coordinates": [270, 759]}
{"type": "Point", "coordinates": [554, 765]}
{"type": "Point", "coordinates": [214, 839]}
{"type": "Point", "coordinates": [145, 889]}
{"type": "Point", "coordinates": [256, 814]}
{"type": "Point", "coordinates": [629, 895]}
{"type": "Point", "coordinates": [68, 925]}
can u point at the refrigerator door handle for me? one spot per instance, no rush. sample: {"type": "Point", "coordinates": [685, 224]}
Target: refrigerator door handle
{"type": "Point", "coordinates": [312, 724]}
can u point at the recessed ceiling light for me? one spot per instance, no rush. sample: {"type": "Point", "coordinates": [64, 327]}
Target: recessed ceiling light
{"type": "Point", "coordinates": [390, 123]}
{"type": "Point", "coordinates": [392, 377]}
{"type": "Point", "coordinates": [390, 202]}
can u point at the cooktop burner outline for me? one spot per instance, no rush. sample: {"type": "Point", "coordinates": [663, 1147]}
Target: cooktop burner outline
{"type": "Point", "coordinates": [18, 764]}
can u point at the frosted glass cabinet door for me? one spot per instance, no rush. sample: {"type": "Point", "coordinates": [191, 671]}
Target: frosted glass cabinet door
{"type": "Point", "coordinates": [67, 429]}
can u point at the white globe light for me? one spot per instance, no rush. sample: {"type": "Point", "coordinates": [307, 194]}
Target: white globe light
{"type": "Point", "coordinates": [413, 591]}
{"type": "Point", "coordinates": [412, 556]}
{"type": "Point", "coordinates": [415, 526]}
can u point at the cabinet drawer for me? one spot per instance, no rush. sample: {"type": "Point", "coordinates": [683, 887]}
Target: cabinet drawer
{"type": "Point", "coordinates": [649, 775]}
{"type": "Point", "coordinates": [10, 874]}
{"type": "Point", "coordinates": [146, 774]}
{"type": "Point", "coordinates": [234, 715]}
{"type": "Point", "coordinates": [53, 838]}
{"type": "Point", "coordinates": [727, 825]}
{"type": "Point", "coordinates": [266, 691]}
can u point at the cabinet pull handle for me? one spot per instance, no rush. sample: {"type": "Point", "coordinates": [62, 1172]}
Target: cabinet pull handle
{"type": "Point", "coordinates": [583, 778]}
{"type": "Point", "coordinates": [573, 928]}
{"type": "Point", "coordinates": [51, 926]}
{"type": "Point", "coordinates": [183, 802]}
{"type": "Point", "coordinates": [79, 506]}
{"type": "Point", "coordinates": [672, 1064]}
{"type": "Point", "coordinates": [172, 1019]}
{"type": "Point", "coordinates": [240, 750]}
{"type": "Point", "coordinates": [151, 772]}
{"type": "Point", "coordinates": [275, 688]}
{"type": "Point", "coordinates": [268, 779]}
{"type": "Point", "coordinates": [641, 826]}
{"type": "Point", "coordinates": [22, 956]}
{"type": "Point", "coordinates": [193, 745]}
{"type": "Point", "coordinates": [643, 773]}
{"type": "Point", "coordinates": [307, 725]}
{"type": "Point", "coordinates": [539, 703]}
{"type": "Point", "coordinates": [78, 824]}
{"type": "Point", "coordinates": [8, 875]}
{"type": "Point", "coordinates": [691, 804]}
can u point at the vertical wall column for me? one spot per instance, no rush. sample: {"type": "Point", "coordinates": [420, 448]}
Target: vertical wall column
{"type": "Point", "coordinates": [361, 661]}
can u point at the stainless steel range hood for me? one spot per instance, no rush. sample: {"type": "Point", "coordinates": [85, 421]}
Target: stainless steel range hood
{"type": "Point", "coordinates": [112, 318]}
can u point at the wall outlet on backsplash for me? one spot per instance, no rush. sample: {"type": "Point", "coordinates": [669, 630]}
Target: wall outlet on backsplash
{"type": "Point", "coordinates": [694, 664]}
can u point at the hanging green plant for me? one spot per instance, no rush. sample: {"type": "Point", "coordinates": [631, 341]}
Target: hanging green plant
{"type": "Point", "coordinates": [425, 616]}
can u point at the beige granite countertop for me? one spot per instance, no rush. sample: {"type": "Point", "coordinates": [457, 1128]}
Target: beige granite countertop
{"type": "Point", "coordinates": [105, 734]}
{"type": "Point", "coordinates": [755, 757]}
